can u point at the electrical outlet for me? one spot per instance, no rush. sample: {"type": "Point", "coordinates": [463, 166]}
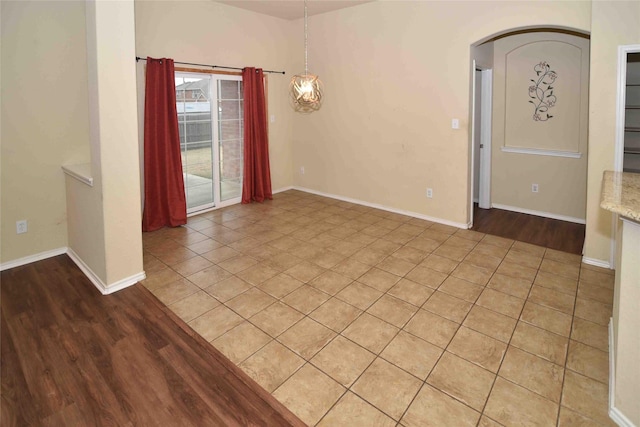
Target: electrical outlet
{"type": "Point", "coordinates": [429, 193]}
{"type": "Point", "coordinates": [21, 226]}
{"type": "Point", "coordinates": [455, 124]}
{"type": "Point", "coordinates": [301, 170]}
{"type": "Point", "coordinates": [534, 188]}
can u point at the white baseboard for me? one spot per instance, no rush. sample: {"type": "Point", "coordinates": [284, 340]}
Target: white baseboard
{"type": "Point", "coordinates": [93, 278]}
{"type": "Point", "coordinates": [614, 413]}
{"type": "Point", "coordinates": [98, 283]}
{"type": "Point", "coordinates": [596, 262]}
{"type": "Point", "coordinates": [384, 208]}
{"type": "Point", "coordinates": [32, 258]}
{"type": "Point", "coordinates": [539, 213]}
{"type": "Point", "coordinates": [126, 282]}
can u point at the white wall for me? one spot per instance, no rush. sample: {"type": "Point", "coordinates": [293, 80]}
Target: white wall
{"type": "Point", "coordinates": [45, 123]}
{"type": "Point", "coordinates": [626, 317]}
{"type": "Point", "coordinates": [355, 146]}
{"type": "Point", "coordinates": [116, 241]}
{"type": "Point", "coordinates": [395, 74]}
{"type": "Point", "coordinates": [207, 32]}
{"type": "Point", "coordinates": [614, 23]}
{"type": "Point", "coordinates": [483, 54]}
{"type": "Point", "coordinates": [562, 181]}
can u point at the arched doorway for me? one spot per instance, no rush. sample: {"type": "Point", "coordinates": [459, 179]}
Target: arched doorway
{"type": "Point", "coordinates": [529, 157]}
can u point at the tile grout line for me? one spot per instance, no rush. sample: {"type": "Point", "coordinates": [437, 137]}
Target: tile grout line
{"type": "Point", "coordinates": [566, 359]}
{"type": "Point", "coordinates": [378, 355]}
{"type": "Point", "coordinates": [498, 370]}
{"type": "Point", "coordinates": [424, 382]}
{"type": "Point", "coordinates": [507, 349]}
{"type": "Point", "coordinates": [387, 293]}
{"type": "Point", "coordinates": [347, 389]}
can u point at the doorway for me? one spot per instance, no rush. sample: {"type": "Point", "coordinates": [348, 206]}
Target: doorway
{"type": "Point", "coordinates": [481, 137]}
{"type": "Point", "coordinates": [537, 166]}
{"type": "Point", "coordinates": [627, 148]}
{"type": "Point", "coordinates": [628, 129]}
{"type": "Point", "coordinates": [211, 124]}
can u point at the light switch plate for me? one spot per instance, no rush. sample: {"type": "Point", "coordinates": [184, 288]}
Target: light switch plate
{"type": "Point", "coordinates": [21, 226]}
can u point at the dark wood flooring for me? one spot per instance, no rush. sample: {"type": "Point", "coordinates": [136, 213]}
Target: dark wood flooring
{"type": "Point", "coordinates": [551, 233]}
{"type": "Point", "coordinates": [72, 357]}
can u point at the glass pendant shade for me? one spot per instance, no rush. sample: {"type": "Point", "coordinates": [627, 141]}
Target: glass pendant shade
{"type": "Point", "coordinates": [306, 92]}
{"type": "Point", "coordinates": [306, 89]}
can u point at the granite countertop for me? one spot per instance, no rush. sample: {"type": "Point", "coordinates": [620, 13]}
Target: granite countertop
{"type": "Point", "coordinates": [621, 193]}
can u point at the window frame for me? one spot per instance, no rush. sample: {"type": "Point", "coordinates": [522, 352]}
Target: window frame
{"type": "Point", "coordinates": [213, 77]}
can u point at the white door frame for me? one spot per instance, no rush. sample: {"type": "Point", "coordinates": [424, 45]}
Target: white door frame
{"type": "Point", "coordinates": [623, 51]}
{"type": "Point", "coordinates": [215, 142]}
{"type": "Point", "coordinates": [215, 97]}
{"type": "Point", "coordinates": [484, 192]}
{"type": "Point", "coordinates": [486, 88]}
{"type": "Point", "coordinates": [472, 145]}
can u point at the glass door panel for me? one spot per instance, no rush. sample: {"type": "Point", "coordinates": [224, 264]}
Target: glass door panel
{"type": "Point", "coordinates": [211, 141]}
{"type": "Point", "coordinates": [193, 102]}
{"type": "Point", "coordinates": [230, 138]}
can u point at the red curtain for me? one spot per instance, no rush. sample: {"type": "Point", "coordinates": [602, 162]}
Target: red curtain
{"type": "Point", "coordinates": [257, 175]}
{"type": "Point", "coordinates": [164, 198]}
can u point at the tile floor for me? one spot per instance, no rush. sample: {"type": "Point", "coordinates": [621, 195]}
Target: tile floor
{"type": "Point", "coordinates": [355, 316]}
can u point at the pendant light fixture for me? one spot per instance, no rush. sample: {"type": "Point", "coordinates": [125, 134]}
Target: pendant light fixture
{"type": "Point", "coordinates": [306, 89]}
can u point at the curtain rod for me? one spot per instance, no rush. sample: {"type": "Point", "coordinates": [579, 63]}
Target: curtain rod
{"type": "Point", "coordinates": [138, 58]}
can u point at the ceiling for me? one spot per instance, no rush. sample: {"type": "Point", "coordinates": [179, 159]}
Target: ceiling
{"type": "Point", "coordinates": [292, 9]}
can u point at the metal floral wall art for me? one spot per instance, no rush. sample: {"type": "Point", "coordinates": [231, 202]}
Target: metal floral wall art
{"type": "Point", "coordinates": [541, 91]}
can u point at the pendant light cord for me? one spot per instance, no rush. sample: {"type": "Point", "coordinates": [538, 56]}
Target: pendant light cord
{"type": "Point", "coordinates": [306, 68]}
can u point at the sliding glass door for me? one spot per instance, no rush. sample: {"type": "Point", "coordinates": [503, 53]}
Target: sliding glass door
{"type": "Point", "coordinates": [210, 118]}
{"type": "Point", "coordinates": [230, 124]}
